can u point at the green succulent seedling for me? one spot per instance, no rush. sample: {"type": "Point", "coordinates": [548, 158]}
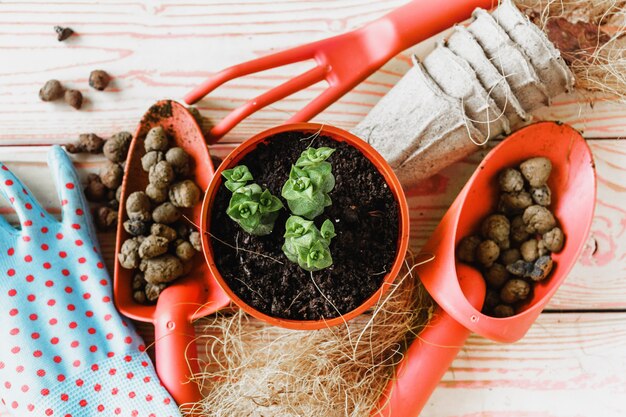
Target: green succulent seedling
{"type": "Point", "coordinates": [254, 209]}
{"type": "Point", "coordinates": [310, 181]}
{"type": "Point", "coordinates": [237, 177]}
{"type": "Point", "coordinates": [307, 245]}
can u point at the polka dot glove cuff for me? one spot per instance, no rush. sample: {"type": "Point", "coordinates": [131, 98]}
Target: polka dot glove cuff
{"type": "Point", "coordinates": [64, 349]}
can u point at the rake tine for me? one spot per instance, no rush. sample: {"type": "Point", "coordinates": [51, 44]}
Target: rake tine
{"type": "Point", "coordinates": [318, 104]}
{"type": "Point", "coordinates": [278, 59]}
{"type": "Point", "coordinates": [300, 82]}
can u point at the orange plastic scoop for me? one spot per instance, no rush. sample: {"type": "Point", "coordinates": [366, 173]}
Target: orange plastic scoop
{"type": "Point", "coordinates": [573, 185]}
{"type": "Point", "coordinates": [459, 289]}
{"type": "Point", "coordinates": [191, 297]}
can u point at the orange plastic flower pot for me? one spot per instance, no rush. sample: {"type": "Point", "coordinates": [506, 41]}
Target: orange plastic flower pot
{"type": "Point", "coordinates": [340, 136]}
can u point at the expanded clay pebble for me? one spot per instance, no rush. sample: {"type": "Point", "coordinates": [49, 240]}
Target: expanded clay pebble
{"type": "Point", "coordinates": [538, 219]}
{"type": "Point", "coordinates": [138, 206]}
{"type": "Point", "coordinates": [518, 242]}
{"type": "Point", "coordinates": [179, 160]}
{"type": "Point", "coordinates": [87, 142]}
{"type": "Point", "coordinates": [156, 140]}
{"type": "Point", "coordinates": [511, 180]}
{"type": "Point", "coordinates": [184, 194]}
{"type": "Point", "coordinates": [466, 250]}
{"type": "Point", "coordinates": [99, 79]}
{"type": "Point", "coordinates": [63, 33]}
{"type": "Point", "coordinates": [156, 194]}
{"type": "Point", "coordinates": [74, 98]}
{"type": "Point", "coordinates": [503, 310]}
{"type": "Point", "coordinates": [115, 149]}
{"type": "Point", "coordinates": [515, 290]}
{"type": "Point", "coordinates": [154, 290]}
{"type": "Point", "coordinates": [51, 90]}
{"type": "Point", "coordinates": [497, 275]}
{"type": "Point", "coordinates": [153, 246]}
{"type": "Point", "coordinates": [136, 227]}
{"type": "Point", "coordinates": [161, 174]}
{"type": "Point", "coordinates": [487, 252]}
{"type": "Point", "coordinates": [164, 231]}
{"type": "Point", "coordinates": [105, 218]}
{"type": "Point", "coordinates": [95, 191]}
{"type": "Point", "coordinates": [554, 240]}
{"type": "Point", "coordinates": [529, 250]}
{"type": "Point", "coordinates": [162, 269]}
{"type": "Point", "coordinates": [111, 175]}
{"type": "Point", "coordinates": [536, 171]}
{"type": "Point", "coordinates": [138, 281]}
{"type": "Point", "coordinates": [497, 228]}
{"type": "Point", "coordinates": [166, 213]}
{"type": "Point", "coordinates": [129, 256]}
{"type": "Point", "coordinates": [541, 195]}
{"type": "Point", "coordinates": [150, 159]}
{"type": "Point", "coordinates": [184, 250]}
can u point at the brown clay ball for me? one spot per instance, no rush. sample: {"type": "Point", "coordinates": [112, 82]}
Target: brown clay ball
{"type": "Point", "coordinates": [95, 190]}
{"type": "Point", "coordinates": [511, 180]}
{"type": "Point", "coordinates": [487, 253]}
{"type": "Point", "coordinates": [52, 90]}
{"type": "Point", "coordinates": [466, 250]}
{"type": "Point", "coordinates": [518, 230]}
{"type": "Point", "coordinates": [497, 228]}
{"type": "Point", "coordinates": [554, 240]}
{"type": "Point", "coordinates": [74, 98]}
{"type": "Point", "coordinates": [184, 194]}
{"type": "Point", "coordinates": [529, 250]}
{"type": "Point", "coordinates": [541, 195]}
{"type": "Point", "coordinates": [536, 171]}
{"type": "Point", "coordinates": [497, 275]}
{"type": "Point", "coordinates": [129, 255]}
{"type": "Point", "coordinates": [162, 269]}
{"type": "Point", "coordinates": [161, 174]}
{"type": "Point", "coordinates": [162, 230]}
{"type": "Point", "coordinates": [538, 219]}
{"type": "Point", "coordinates": [156, 140]}
{"type": "Point", "coordinates": [111, 175]}
{"type": "Point", "coordinates": [179, 160]}
{"type": "Point", "coordinates": [116, 148]}
{"type": "Point", "coordinates": [99, 79]}
{"type": "Point", "coordinates": [138, 206]}
{"type": "Point", "coordinates": [515, 290]}
{"type": "Point", "coordinates": [166, 213]}
{"type": "Point", "coordinates": [509, 256]}
{"type": "Point", "coordinates": [150, 159]}
{"type": "Point", "coordinates": [153, 246]}
{"type": "Point", "coordinates": [503, 310]}
{"type": "Point", "coordinates": [105, 218]}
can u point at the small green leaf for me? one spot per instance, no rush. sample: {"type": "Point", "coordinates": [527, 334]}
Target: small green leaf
{"type": "Point", "coordinates": [327, 231]}
{"type": "Point", "coordinates": [312, 156]}
{"type": "Point", "coordinates": [269, 203]}
{"type": "Point", "coordinates": [236, 177]}
{"type": "Point", "coordinates": [238, 174]}
{"type": "Point", "coordinates": [315, 257]}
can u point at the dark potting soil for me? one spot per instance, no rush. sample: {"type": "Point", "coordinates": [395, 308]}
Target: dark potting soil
{"type": "Point", "coordinates": [364, 212]}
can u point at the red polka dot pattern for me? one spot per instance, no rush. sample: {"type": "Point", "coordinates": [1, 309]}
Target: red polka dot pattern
{"type": "Point", "coordinates": [64, 349]}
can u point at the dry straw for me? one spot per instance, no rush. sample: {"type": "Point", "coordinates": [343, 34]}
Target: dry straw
{"type": "Point", "coordinates": [253, 369]}
{"type": "Point", "coordinates": [599, 63]}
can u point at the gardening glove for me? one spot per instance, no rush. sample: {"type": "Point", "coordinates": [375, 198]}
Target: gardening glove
{"type": "Point", "coordinates": [64, 349]}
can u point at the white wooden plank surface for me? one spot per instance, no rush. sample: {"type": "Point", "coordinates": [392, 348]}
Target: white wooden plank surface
{"type": "Point", "coordinates": [570, 365]}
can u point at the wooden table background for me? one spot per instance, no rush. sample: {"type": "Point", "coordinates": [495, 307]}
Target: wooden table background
{"type": "Point", "coordinates": [572, 363]}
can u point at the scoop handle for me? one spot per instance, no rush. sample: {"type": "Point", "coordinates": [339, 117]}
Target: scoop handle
{"type": "Point", "coordinates": [175, 340]}
{"type": "Point", "coordinates": [429, 357]}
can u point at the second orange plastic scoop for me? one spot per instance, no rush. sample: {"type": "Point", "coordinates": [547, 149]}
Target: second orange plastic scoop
{"type": "Point", "coordinates": [191, 297]}
{"type": "Point", "coordinates": [573, 185]}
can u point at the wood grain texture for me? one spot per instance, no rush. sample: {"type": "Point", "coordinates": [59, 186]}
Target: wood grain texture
{"type": "Point", "coordinates": [164, 48]}
{"type": "Point", "coordinates": [570, 364]}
